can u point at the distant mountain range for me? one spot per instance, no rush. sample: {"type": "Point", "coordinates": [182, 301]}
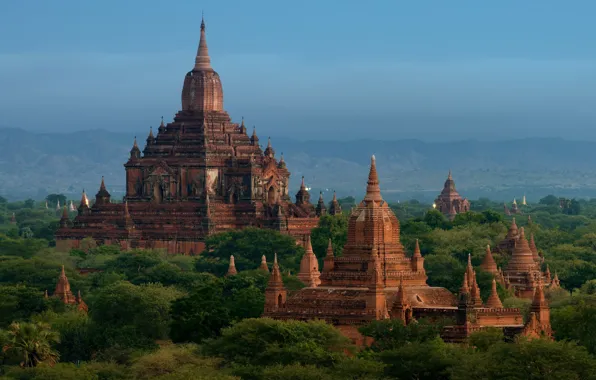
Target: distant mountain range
{"type": "Point", "coordinates": [35, 164]}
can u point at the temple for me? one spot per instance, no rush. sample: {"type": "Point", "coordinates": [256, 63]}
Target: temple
{"type": "Point", "coordinates": [449, 202]}
{"type": "Point", "coordinates": [64, 293]}
{"type": "Point", "coordinates": [374, 279]}
{"type": "Point", "coordinates": [198, 175]}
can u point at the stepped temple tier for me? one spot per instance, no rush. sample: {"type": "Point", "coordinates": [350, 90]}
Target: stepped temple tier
{"type": "Point", "coordinates": [198, 175]}
{"type": "Point", "coordinates": [374, 279]}
{"type": "Point", "coordinates": [449, 202]}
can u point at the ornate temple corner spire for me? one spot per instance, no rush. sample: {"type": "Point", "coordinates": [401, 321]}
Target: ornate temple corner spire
{"type": "Point", "coordinates": [254, 140]}
{"type": "Point", "coordinates": [232, 267]}
{"type": "Point", "coordinates": [302, 196]}
{"type": "Point", "coordinates": [135, 152]}
{"type": "Point", "coordinates": [470, 269]}
{"type": "Point", "coordinates": [329, 261]}
{"type": "Point", "coordinates": [321, 208]}
{"type": "Point", "coordinates": [269, 151]}
{"type": "Point", "coordinates": [275, 293]}
{"type": "Point", "coordinates": [64, 220]}
{"type": "Point", "coordinates": [547, 274]}
{"type": "Point", "coordinates": [203, 61]}
{"type": "Point", "coordinates": [401, 309]}
{"type": "Point", "coordinates": [373, 191]}
{"type": "Point", "coordinates": [493, 301]}
{"type": "Point", "coordinates": [309, 266]}
{"type": "Point", "coordinates": [417, 259]}
{"type": "Point", "coordinates": [81, 305]}
{"type": "Point", "coordinates": [555, 283]}
{"type": "Point", "coordinates": [84, 205]}
{"type": "Point", "coordinates": [335, 207]}
{"type": "Point", "coordinates": [63, 289]}
{"type": "Point", "coordinates": [376, 300]}
{"type": "Point", "coordinates": [539, 323]}
{"type": "Point", "coordinates": [475, 292]}
{"type": "Point", "coordinates": [282, 163]}
{"type": "Point", "coordinates": [488, 263]}
{"type": "Point", "coordinates": [162, 126]}
{"type": "Point", "coordinates": [263, 265]}
{"type": "Point", "coordinates": [102, 196]}
{"type": "Point", "coordinates": [150, 138]}
{"type": "Point", "coordinates": [465, 287]}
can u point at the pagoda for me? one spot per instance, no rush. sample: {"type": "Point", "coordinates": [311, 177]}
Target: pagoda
{"type": "Point", "coordinates": [374, 279]}
{"type": "Point", "coordinates": [449, 202]}
{"type": "Point", "coordinates": [523, 273]}
{"type": "Point", "coordinates": [198, 175]}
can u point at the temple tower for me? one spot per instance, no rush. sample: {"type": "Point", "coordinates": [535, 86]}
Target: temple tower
{"type": "Point", "coordinates": [449, 202]}
{"type": "Point", "coordinates": [275, 293]}
{"type": "Point", "coordinates": [63, 289]}
{"type": "Point", "coordinates": [309, 266]}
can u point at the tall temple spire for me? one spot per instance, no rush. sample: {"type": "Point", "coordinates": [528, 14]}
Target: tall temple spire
{"type": "Point", "coordinates": [493, 300]}
{"type": "Point", "coordinates": [232, 267]}
{"type": "Point", "coordinates": [417, 259]}
{"type": "Point", "coordinates": [465, 287]}
{"type": "Point", "coordinates": [275, 293]}
{"type": "Point", "coordinates": [102, 196]}
{"type": "Point", "coordinates": [373, 191]}
{"type": "Point", "coordinates": [417, 250]}
{"type": "Point", "coordinates": [329, 261]}
{"type": "Point", "coordinates": [64, 220]}
{"type": "Point", "coordinates": [475, 292]}
{"type": "Point", "coordinates": [203, 61]}
{"type": "Point", "coordinates": [63, 289]}
{"type": "Point", "coordinates": [309, 266]}
{"type": "Point", "coordinates": [321, 209]}
{"type": "Point", "coordinates": [488, 263]}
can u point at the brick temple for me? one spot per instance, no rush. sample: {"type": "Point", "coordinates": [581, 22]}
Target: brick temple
{"type": "Point", "coordinates": [198, 175]}
{"type": "Point", "coordinates": [449, 202]}
{"type": "Point", "coordinates": [374, 279]}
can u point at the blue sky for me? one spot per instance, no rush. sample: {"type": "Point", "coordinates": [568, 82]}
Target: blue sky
{"type": "Point", "coordinates": [434, 70]}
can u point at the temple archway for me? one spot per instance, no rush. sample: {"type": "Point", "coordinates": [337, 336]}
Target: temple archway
{"type": "Point", "coordinates": [157, 192]}
{"type": "Point", "coordinates": [272, 196]}
{"type": "Point", "coordinates": [279, 300]}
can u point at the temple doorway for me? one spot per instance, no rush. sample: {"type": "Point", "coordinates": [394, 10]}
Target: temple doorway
{"type": "Point", "coordinates": [272, 196]}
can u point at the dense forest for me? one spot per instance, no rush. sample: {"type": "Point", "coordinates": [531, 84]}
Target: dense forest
{"type": "Point", "coordinates": [158, 316]}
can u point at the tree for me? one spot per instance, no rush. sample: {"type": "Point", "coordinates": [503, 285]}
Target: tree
{"type": "Point", "coordinates": [265, 341]}
{"type": "Point", "coordinates": [430, 360]}
{"type": "Point", "coordinates": [200, 315]}
{"type": "Point", "coordinates": [53, 199]}
{"type": "Point", "coordinates": [535, 359]}
{"type": "Point", "coordinates": [18, 303]}
{"type": "Point", "coordinates": [132, 316]}
{"type": "Point", "coordinates": [391, 334]}
{"type": "Point", "coordinates": [330, 226]}
{"type": "Point", "coordinates": [435, 219]}
{"type": "Point", "coordinates": [549, 200]}
{"type": "Point", "coordinates": [247, 246]}
{"type": "Point", "coordinates": [33, 343]}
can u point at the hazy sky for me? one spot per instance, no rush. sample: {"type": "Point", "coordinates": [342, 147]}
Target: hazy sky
{"type": "Point", "coordinates": [328, 69]}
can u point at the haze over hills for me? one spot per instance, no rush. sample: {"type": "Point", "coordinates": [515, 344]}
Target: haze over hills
{"type": "Point", "coordinates": [35, 164]}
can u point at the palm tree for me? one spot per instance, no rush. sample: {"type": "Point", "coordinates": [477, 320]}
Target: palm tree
{"type": "Point", "coordinates": [33, 342]}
